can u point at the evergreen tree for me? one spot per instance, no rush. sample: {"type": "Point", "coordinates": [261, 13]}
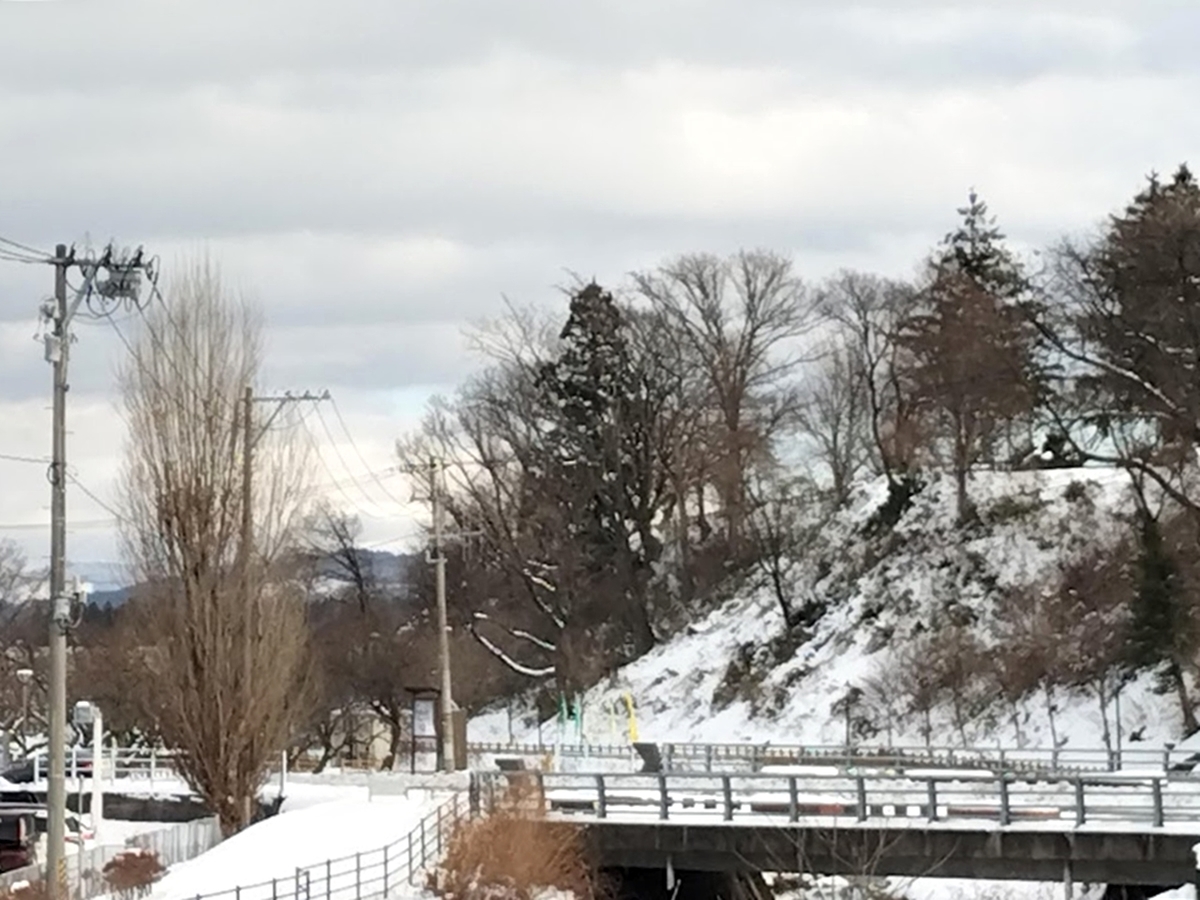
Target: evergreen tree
{"type": "Point", "coordinates": [596, 454]}
{"type": "Point", "coordinates": [1144, 314]}
{"type": "Point", "coordinates": [968, 353]}
{"type": "Point", "coordinates": [1162, 628]}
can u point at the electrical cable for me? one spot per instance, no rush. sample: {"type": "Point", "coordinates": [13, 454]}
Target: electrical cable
{"type": "Point", "coordinates": [333, 480]}
{"type": "Point", "coordinates": [337, 451]}
{"type": "Point", "coordinates": [25, 248]}
{"type": "Point", "coordinates": [354, 446]}
{"type": "Point", "coordinates": [11, 457]}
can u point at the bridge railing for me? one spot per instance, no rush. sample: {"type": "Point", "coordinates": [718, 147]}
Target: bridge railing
{"type": "Point", "coordinates": [734, 797]}
{"type": "Point", "coordinates": [716, 757]}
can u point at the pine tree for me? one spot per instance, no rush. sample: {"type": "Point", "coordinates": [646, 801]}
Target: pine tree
{"type": "Point", "coordinates": [968, 352]}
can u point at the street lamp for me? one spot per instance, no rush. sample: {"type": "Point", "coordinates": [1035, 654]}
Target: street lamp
{"type": "Point", "coordinates": [25, 676]}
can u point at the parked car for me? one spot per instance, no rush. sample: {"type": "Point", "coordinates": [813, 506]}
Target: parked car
{"type": "Point", "coordinates": [18, 838]}
{"type": "Point", "coordinates": [78, 765]}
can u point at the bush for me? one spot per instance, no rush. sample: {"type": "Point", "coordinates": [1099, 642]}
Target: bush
{"type": "Point", "coordinates": [515, 854]}
{"type": "Point", "coordinates": [26, 890]}
{"type": "Point", "coordinates": [132, 873]}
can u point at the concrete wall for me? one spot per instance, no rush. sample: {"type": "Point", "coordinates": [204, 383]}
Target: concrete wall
{"type": "Point", "coordinates": [1095, 856]}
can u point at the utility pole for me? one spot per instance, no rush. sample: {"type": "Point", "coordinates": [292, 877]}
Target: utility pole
{"type": "Point", "coordinates": [122, 284]}
{"type": "Point", "coordinates": [439, 560]}
{"type": "Point", "coordinates": [56, 796]}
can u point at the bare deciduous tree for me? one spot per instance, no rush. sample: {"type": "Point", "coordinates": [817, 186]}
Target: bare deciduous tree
{"type": "Point", "coordinates": [222, 632]}
{"type": "Point", "coordinates": [745, 319]}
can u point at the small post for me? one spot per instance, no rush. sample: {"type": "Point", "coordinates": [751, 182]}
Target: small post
{"type": "Point", "coordinates": [328, 878]}
{"type": "Point", "coordinates": [386, 848]}
{"type": "Point", "coordinates": [1080, 810]}
{"type": "Point", "coordinates": [1005, 816]}
{"type": "Point", "coordinates": [793, 800]}
{"type": "Point", "coordinates": [297, 883]}
{"type": "Point", "coordinates": [1068, 880]}
{"type": "Point", "coordinates": [708, 757]}
{"type": "Point", "coordinates": [601, 798]}
{"type": "Point", "coordinates": [153, 764]}
{"type": "Point", "coordinates": [274, 890]}
{"type": "Point", "coordinates": [663, 802]}
{"type": "Point", "coordinates": [283, 774]}
{"type": "Point", "coordinates": [860, 785]}
{"type": "Point", "coordinates": [358, 876]}
{"type": "Point", "coordinates": [727, 795]}
{"type": "Point", "coordinates": [931, 787]}
{"type": "Point", "coordinates": [1158, 802]}
{"type": "Point", "coordinates": [410, 858]}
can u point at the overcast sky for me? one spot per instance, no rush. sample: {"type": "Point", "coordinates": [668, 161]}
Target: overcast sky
{"type": "Point", "coordinates": [378, 173]}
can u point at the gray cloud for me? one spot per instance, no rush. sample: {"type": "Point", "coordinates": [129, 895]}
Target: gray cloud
{"type": "Point", "coordinates": [378, 173]}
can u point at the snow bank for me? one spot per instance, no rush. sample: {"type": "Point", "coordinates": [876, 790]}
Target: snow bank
{"type": "Point", "coordinates": [304, 836]}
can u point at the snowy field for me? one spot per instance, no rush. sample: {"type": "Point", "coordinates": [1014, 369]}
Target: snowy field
{"type": "Point", "coordinates": [299, 837]}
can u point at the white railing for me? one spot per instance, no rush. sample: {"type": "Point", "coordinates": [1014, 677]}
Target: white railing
{"type": "Point", "coordinates": [720, 757]}
{"type": "Point", "coordinates": [697, 799]}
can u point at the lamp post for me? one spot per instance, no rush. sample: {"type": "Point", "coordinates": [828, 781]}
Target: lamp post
{"type": "Point", "coordinates": [25, 676]}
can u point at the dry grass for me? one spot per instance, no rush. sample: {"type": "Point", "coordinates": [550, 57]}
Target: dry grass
{"type": "Point", "coordinates": [515, 854]}
{"type": "Point", "coordinates": [35, 890]}
{"type": "Point", "coordinates": [131, 874]}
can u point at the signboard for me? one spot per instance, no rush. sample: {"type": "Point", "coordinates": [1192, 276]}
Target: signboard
{"type": "Point", "coordinates": [424, 718]}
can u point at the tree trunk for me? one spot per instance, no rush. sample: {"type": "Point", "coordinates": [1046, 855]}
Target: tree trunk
{"type": "Point", "coordinates": [1185, 700]}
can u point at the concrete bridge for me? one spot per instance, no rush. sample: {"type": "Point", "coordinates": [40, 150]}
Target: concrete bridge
{"type": "Point", "coordinates": [1119, 830]}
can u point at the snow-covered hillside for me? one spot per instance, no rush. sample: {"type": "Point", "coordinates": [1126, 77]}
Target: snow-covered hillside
{"type": "Point", "coordinates": [732, 677]}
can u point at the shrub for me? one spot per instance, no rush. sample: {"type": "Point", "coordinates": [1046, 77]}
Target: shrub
{"type": "Point", "coordinates": [513, 853]}
{"type": "Point", "coordinates": [131, 874]}
{"type": "Point", "coordinates": [1014, 508]}
{"type": "Point", "coordinates": [26, 890]}
{"type": "Point", "coordinates": [1075, 492]}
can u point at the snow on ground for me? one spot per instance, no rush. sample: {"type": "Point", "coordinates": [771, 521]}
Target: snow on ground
{"type": "Point", "coordinates": [876, 592]}
{"type": "Point", "coordinates": [297, 838]}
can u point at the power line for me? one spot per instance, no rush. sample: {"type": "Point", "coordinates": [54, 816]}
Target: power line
{"type": "Point", "coordinates": [354, 446]}
{"type": "Point", "coordinates": [104, 506]}
{"type": "Point", "coordinates": [333, 480]}
{"type": "Point", "coordinates": [342, 460]}
{"type": "Point", "coordinates": [38, 526]}
{"type": "Point", "coordinates": [44, 255]}
{"type": "Point", "coordinates": [10, 457]}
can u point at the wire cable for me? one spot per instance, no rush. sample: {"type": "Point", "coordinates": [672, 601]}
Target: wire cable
{"type": "Point", "coordinates": [333, 480]}
{"type": "Point", "coordinates": [12, 457]}
{"type": "Point", "coordinates": [25, 248]}
{"type": "Point", "coordinates": [354, 446]}
{"type": "Point", "coordinates": [337, 451]}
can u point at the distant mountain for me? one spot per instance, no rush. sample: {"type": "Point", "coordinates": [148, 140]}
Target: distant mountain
{"type": "Point", "coordinates": [110, 598]}
{"type": "Point", "coordinates": [388, 568]}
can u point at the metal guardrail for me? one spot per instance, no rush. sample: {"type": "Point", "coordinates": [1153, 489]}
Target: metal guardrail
{"type": "Point", "coordinates": [362, 876]}
{"type": "Point", "coordinates": [718, 757]}
{"type": "Point", "coordinates": [698, 799]}
{"type": "Point", "coordinates": [153, 765]}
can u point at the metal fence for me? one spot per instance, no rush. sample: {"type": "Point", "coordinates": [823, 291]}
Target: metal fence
{"type": "Point", "coordinates": [85, 869]}
{"type": "Point", "coordinates": [698, 799]}
{"type": "Point", "coordinates": [721, 757]}
{"type": "Point", "coordinates": [363, 876]}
